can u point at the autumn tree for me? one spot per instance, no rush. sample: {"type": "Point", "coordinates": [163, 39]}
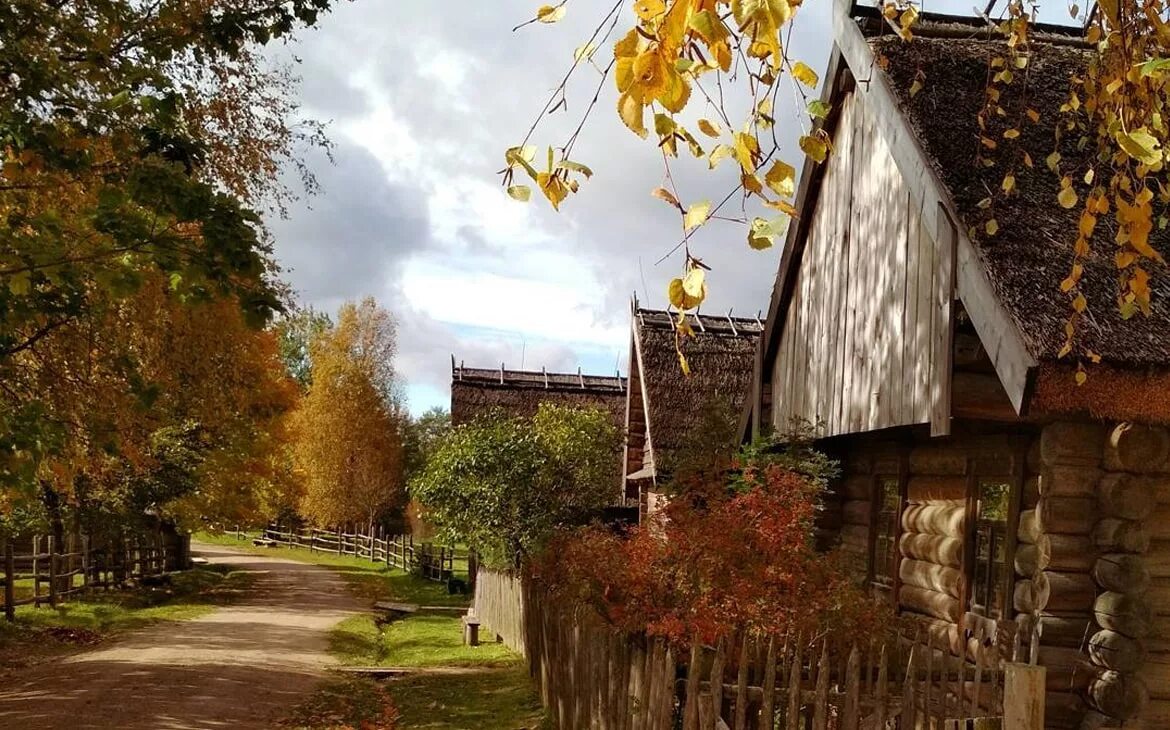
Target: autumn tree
{"type": "Point", "coordinates": [348, 429]}
{"type": "Point", "coordinates": [182, 411]}
{"type": "Point", "coordinates": [504, 485]}
{"type": "Point", "coordinates": [138, 141]}
{"type": "Point", "coordinates": [677, 70]}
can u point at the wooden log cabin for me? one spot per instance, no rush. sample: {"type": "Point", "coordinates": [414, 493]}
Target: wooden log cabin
{"type": "Point", "coordinates": [674, 419]}
{"type": "Point", "coordinates": [980, 482]}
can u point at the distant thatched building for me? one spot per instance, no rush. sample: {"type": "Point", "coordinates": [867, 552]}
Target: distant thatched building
{"type": "Point", "coordinates": [477, 391]}
{"type": "Point", "coordinates": [674, 419]}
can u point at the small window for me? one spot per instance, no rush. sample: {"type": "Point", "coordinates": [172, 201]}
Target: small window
{"type": "Point", "coordinates": [885, 544]}
{"type": "Point", "coordinates": [989, 580]}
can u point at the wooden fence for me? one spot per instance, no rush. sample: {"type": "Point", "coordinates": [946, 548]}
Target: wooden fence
{"type": "Point", "coordinates": [591, 677]}
{"type": "Point", "coordinates": [44, 573]}
{"type": "Point", "coordinates": [438, 563]}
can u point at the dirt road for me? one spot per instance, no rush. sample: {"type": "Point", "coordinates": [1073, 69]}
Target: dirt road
{"type": "Point", "coordinates": [241, 666]}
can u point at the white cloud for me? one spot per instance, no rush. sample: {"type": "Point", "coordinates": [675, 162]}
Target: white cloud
{"type": "Point", "coordinates": [428, 96]}
{"type": "Point", "coordinates": [556, 308]}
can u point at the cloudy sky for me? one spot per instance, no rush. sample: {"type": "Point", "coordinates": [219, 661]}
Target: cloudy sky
{"type": "Point", "coordinates": [422, 99]}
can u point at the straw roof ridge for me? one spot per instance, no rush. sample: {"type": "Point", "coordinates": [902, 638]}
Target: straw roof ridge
{"type": "Point", "coordinates": [721, 359]}
{"type": "Point", "coordinates": [1032, 251]}
{"type": "Point", "coordinates": [476, 391]}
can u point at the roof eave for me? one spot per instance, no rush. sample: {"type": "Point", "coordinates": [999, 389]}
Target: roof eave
{"type": "Point", "coordinates": [636, 356]}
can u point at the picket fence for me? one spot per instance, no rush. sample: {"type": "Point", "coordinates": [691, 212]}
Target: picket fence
{"type": "Point", "coordinates": [592, 677]}
{"type": "Point", "coordinates": [49, 573]}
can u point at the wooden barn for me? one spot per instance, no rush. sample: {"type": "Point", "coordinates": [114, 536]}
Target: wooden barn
{"type": "Point", "coordinates": [477, 391]}
{"type": "Point", "coordinates": [981, 485]}
{"type": "Point", "coordinates": [674, 419]}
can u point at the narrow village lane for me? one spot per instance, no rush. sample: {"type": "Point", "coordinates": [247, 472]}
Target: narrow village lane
{"type": "Point", "coordinates": [241, 666]}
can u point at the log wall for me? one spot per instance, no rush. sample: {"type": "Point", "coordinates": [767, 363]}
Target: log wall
{"type": "Point", "coordinates": [1103, 559]}
{"type": "Point", "coordinates": [933, 476]}
{"type": "Point", "coordinates": [1091, 563]}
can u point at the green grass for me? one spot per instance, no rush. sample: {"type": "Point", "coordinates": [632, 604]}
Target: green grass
{"type": "Point", "coordinates": [501, 699]}
{"type": "Point", "coordinates": [343, 705]}
{"type": "Point", "coordinates": [428, 640]}
{"type": "Point", "coordinates": [89, 618]}
{"type": "Point", "coordinates": [494, 699]}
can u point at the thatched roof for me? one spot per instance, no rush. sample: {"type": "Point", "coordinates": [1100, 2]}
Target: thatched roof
{"type": "Point", "coordinates": [1033, 250]}
{"type": "Point", "coordinates": [721, 356]}
{"type": "Point", "coordinates": [476, 391]}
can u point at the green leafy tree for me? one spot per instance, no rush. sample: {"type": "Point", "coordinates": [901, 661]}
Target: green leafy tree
{"type": "Point", "coordinates": [138, 141]}
{"type": "Point", "coordinates": [421, 437]}
{"type": "Point", "coordinates": [296, 331]}
{"type": "Point", "coordinates": [504, 485]}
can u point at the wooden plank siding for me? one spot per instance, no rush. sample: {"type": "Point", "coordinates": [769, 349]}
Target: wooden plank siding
{"type": "Point", "coordinates": [1013, 363]}
{"type": "Point", "coordinates": [855, 350]}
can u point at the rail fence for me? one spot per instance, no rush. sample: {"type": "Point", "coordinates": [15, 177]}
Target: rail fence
{"type": "Point", "coordinates": [41, 572]}
{"type": "Point", "coordinates": [439, 563]}
{"type": "Point", "coordinates": [591, 676]}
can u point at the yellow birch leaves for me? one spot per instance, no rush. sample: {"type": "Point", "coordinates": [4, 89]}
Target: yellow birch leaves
{"type": "Point", "coordinates": [689, 291]}
{"type": "Point", "coordinates": [781, 179]}
{"type": "Point", "coordinates": [550, 13]}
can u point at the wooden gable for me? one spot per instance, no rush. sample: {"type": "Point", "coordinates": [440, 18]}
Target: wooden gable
{"type": "Point", "coordinates": [862, 318]}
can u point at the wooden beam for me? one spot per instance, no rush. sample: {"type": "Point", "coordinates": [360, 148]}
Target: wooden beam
{"type": "Point", "coordinates": [943, 325]}
{"type": "Point", "coordinates": [999, 332]}
{"type": "Point", "coordinates": [980, 396]}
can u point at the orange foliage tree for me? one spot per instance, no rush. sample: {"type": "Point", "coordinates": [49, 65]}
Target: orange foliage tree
{"type": "Point", "coordinates": [348, 445]}
{"type": "Point", "coordinates": [137, 141]}
{"type": "Point", "coordinates": [181, 411]}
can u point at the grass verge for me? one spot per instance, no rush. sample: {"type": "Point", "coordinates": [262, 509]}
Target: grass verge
{"type": "Point", "coordinates": [39, 633]}
{"type": "Point", "coordinates": [343, 705]}
{"type": "Point", "coordinates": [492, 698]}
{"type": "Point", "coordinates": [418, 641]}
{"type": "Point", "coordinates": [499, 699]}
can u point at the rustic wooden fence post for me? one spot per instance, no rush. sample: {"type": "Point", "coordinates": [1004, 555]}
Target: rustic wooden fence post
{"type": "Point", "coordinates": [52, 572]}
{"type": "Point", "coordinates": [741, 685]}
{"type": "Point", "coordinates": [691, 708]}
{"type": "Point", "coordinates": [85, 562]}
{"type": "Point", "coordinates": [768, 702]}
{"type": "Point", "coordinates": [1023, 696]}
{"type": "Point", "coordinates": [9, 582]}
{"type": "Point", "coordinates": [909, 696]}
{"type": "Point", "coordinates": [820, 720]}
{"type": "Point", "coordinates": [717, 682]}
{"type": "Point", "coordinates": [36, 570]}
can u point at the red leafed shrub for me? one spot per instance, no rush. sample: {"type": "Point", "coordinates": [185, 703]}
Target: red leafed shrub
{"type": "Point", "coordinates": [730, 553]}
